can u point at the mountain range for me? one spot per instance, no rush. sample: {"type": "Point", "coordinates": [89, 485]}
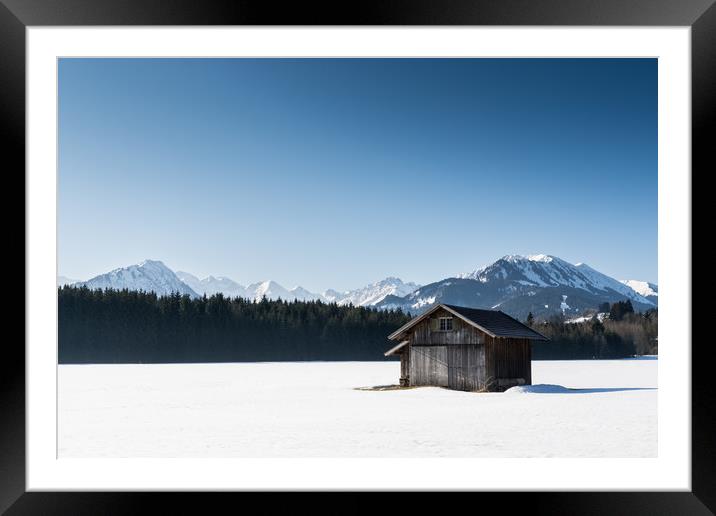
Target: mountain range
{"type": "Point", "coordinates": [541, 284]}
{"type": "Point", "coordinates": [153, 275]}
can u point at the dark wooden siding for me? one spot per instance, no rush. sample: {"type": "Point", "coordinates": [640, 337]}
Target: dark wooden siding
{"type": "Point", "coordinates": [465, 358]}
{"type": "Point", "coordinates": [509, 361]}
{"type": "Point", "coordinates": [462, 333]}
{"type": "Point", "coordinates": [405, 366]}
{"type": "Point", "coordinates": [460, 367]}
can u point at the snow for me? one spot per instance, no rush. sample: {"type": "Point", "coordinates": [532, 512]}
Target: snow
{"type": "Point", "coordinates": [532, 277]}
{"type": "Point", "coordinates": [149, 275]}
{"type": "Point", "coordinates": [212, 285]}
{"type": "Point", "coordinates": [544, 270]}
{"type": "Point", "coordinates": [423, 301]}
{"type": "Point", "coordinates": [365, 296]}
{"type": "Point", "coordinates": [563, 305]}
{"type": "Point", "coordinates": [600, 317]}
{"type": "Point", "coordinates": [301, 294]}
{"type": "Point", "coordinates": [375, 292]}
{"type": "Point", "coordinates": [542, 388]}
{"type": "Point", "coordinates": [331, 295]}
{"type": "Point", "coordinates": [643, 288]}
{"type": "Point", "coordinates": [604, 282]}
{"type": "Point", "coordinates": [314, 409]}
{"type": "Point", "coordinates": [540, 258]}
{"type": "Point", "coordinates": [578, 320]}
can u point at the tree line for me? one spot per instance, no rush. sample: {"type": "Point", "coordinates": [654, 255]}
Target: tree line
{"type": "Point", "coordinates": [622, 333]}
{"type": "Point", "coordinates": [127, 326]}
{"type": "Point", "coordinates": [123, 326]}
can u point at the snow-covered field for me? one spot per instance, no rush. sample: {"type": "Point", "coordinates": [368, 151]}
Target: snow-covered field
{"type": "Point", "coordinates": [313, 409]}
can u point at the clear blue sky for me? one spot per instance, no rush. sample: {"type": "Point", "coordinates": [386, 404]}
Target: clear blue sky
{"type": "Point", "coordinates": [333, 173]}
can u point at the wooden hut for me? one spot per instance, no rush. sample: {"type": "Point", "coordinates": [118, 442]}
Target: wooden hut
{"type": "Point", "coordinates": [465, 349]}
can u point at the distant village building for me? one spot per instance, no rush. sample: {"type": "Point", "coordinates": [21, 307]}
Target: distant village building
{"type": "Point", "coordinates": [465, 349]}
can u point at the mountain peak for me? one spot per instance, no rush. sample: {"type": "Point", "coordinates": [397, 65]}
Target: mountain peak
{"type": "Point", "coordinates": [372, 294]}
{"type": "Point", "coordinates": [148, 262]}
{"type": "Point", "coordinates": [546, 258]}
{"type": "Point", "coordinates": [148, 275]}
{"type": "Point", "coordinates": [516, 282]}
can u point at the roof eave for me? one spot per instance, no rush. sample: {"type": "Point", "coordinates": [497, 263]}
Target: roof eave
{"type": "Point", "coordinates": [531, 329]}
{"type": "Point", "coordinates": [392, 350]}
{"type": "Point", "coordinates": [541, 337]}
{"type": "Point", "coordinates": [399, 333]}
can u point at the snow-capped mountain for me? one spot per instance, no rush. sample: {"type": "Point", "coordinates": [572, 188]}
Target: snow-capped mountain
{"type": "Point", "coordinates": [149, 275]}
{"type": "Point", "coordinates": [331, 295]}
{"type": "Point", "coordinates": [63, 280]}
{"type": "Point", "coordinates": [270, 289]}
{"type": "Point", "coordinates": [644, 288]}
{"type": "Point", "coordinates": [372, 294]}
{"type": "Point", "coordinates": [222, 285]}
{"type": "Point", "coordinates": [273, 290]}
{"type": "Point", "coordinates": [212, 285]}
{"type": "Point", "coordinates": [301, 294]}
{"type": "Point", "coordinates": [366, 296]}
{"type": "Point", "coordinates": [541, 284]}
{"type": "Point", "coordinates": [542, 270]}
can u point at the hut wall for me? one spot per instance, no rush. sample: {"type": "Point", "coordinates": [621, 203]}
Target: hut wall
{"type": "Point", "coordinates": [466, 367]}
{"type": "Point", "coordinates": [509, 362]}
{"type": "Point", "coordinates": [428, 366]}
{"type": "Point", "coordinates": [454, 359]}
{"type": "Point", "coordinates": [405, 366]}
{"type": "Point", "coordinates": [425, 334]}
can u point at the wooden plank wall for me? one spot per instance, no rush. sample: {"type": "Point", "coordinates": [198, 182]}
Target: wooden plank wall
{"type": "Point", "coordinates": [509, 359]}
{"type": "Point", "coordinates": [465, 358]}
{"type": "Point", "coordinates": [454, 359]}
{"type": "Point", "coordinates": [404, 366]}
{"type": "Point", "coordinates": [428, 366]}
{"type": "Point", "coordinates": [466, 367]}
{"type": "Point", "coordinates": [462, 333]}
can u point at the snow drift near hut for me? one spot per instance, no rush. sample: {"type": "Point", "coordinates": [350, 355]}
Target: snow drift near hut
{"type": "Point", "coordinates": [542, 388]}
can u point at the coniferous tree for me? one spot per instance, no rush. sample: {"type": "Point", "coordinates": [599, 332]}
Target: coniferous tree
{"type": "Point", "coordinates": [111, 326]}
{"type": "Point", "coordinates": [620, 309]}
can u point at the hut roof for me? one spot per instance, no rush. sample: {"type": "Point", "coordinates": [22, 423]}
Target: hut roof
{"type": "Point", "coordinates": [393, 351]}
{"type": "Point", "coordinates": [495, 323]}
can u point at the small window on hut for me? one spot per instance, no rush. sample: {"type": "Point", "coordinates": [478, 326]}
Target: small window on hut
{"type": "Point", "coordinates": [445, 324]}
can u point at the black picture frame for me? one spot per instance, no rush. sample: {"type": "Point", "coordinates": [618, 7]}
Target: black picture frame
{"type": "Point", "coordinates": [16, 15]}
